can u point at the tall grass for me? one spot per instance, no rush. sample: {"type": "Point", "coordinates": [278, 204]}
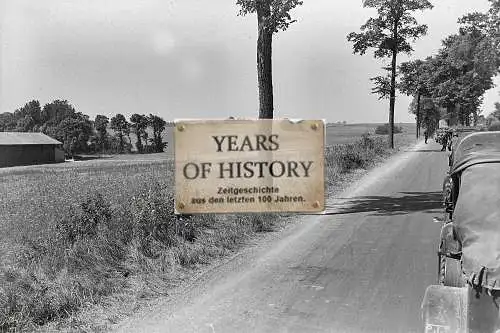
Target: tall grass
{"type": "Point", "coordinates": [74, 236]}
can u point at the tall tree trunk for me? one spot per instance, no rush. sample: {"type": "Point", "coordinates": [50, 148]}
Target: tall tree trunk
{"type": "Point", "coordinates": [264, 60]}
{"type": "Point", "coordinates": [155, 135]}
{"type": "Point", "coordinates": [121, 141]}
{"type": "Point", "coordinates": [418, 114]}
{"type": "Point", "coordinates": [145, 140]}
{"type": "Point", "coordinates": [392, 102]}
{"type": "Point", "coordinates": [139, 141]}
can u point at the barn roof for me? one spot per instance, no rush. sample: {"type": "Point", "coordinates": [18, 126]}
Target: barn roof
{"type": "Point", "coordinates": [22, 138]}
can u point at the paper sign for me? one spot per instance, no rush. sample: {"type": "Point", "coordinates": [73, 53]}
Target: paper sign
{"type": "Point", "coordinates": [249, 166]}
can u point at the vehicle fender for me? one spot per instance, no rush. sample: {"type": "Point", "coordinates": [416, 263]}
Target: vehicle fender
{"type": "Point", "coordinates": [450, 246]}
{"type": "Point", "coordinates": [448, 193]}
{"type": "Point", "coordinates": [444, 309]}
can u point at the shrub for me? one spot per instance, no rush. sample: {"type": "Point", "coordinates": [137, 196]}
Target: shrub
{"type": "Point", "coordinates": [384, 129]}
{"type": "Point", "coordinates": [360, 154]}
{"type": "Point", "coordinates": [80, 263]}
{"type": "Point", "coordinates": [95, 212]}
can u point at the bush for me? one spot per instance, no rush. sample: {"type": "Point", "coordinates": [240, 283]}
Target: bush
{"type": "Point", "coordinates": [79, 264]}
{"type": "Point", "coordinates": [95, 212]}
{"type": "Point", "coordinates": [384, 129]}
{"type": "Point", "coordinates": [97, 249]}
{"type": "Point", "coordinates": [155, 227]}
{"type": "Point", "coordinates": [358, 155]}
{"type": "Point", "coordinates": [342, 159]}
{"type": "Point", "coordinates": [495, 126]}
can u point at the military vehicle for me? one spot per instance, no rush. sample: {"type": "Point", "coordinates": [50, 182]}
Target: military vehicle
{"type": "Point", "coordinates": [467, 295]}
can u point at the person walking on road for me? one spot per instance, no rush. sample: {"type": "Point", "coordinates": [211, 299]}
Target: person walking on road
{"type": "Point", "coordinates": [426, 135]}
{"type": "Point", "coordinates": [445, 139]}
{"type": "Point", "coordinates": [453, 139]}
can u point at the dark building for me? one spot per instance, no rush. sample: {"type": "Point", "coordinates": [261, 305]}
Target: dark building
{"type": "Point", "coordinates": [17, 148]}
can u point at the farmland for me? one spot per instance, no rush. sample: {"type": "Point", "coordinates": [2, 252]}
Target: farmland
{"type": "Point", "coordinates": [75, 234]}
{"type": "Point", "coordinates": [336, 134]}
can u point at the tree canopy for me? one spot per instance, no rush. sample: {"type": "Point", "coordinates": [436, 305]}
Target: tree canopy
{"type": "Point", "coordinates": [60, 120]}
{"type": "Point", "coordinates": [391, 32]}
{"type": "Point", "coordinates": [455, 79]}
{"type": "Point", "coordinates": [378, 32]}
{"type": "Point", "coordinates": [278, 17]}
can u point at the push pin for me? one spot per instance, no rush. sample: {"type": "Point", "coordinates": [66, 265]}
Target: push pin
{"type": "Point", "coordinates": [314, 126]}
{"type": "Point", "coordinates": [181, 128]}
{"type": "Point", "coordinates": [316, 204]}
{"type": "Point", "coordinates": [181, 206]}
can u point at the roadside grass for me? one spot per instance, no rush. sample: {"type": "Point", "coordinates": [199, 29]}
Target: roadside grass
{"type": "Point", "coordinates": [75, 237]}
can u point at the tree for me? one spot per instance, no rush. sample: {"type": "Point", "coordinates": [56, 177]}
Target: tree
{"type": "Point", "coordinates": [429, 113]}
{"type": "Point", "coordinates": [494, 18]}
{"type": "Point", "coordinates": [53, 113]}
{"type": "Point", "coordinates": [272, 16]}
{"type": "Point", "coordinates": [7, 121]}
{"type": "Point", "coordinates": [490, 119]}
{"type": "Point", "coordinates": [74, 133]}
{"type": "Point", "coordinates": [101, 126]}
{"type": "Point", "coordinates": [27, 118]}
{"type": "Point", "coordinates": [414, 75]}
{"type": "Point", "coordinates": [496, 113]}
{"type": "Point", "coordinates": [25, 124]}
{"type": "Point", "coordinates": [382, 85]}
{"type": "Point", "coordinates": [390, 33]}
{"type": "Point", "coordinates": [158, 126]}
{"type": "Point", "coordinates": [29, 115]}
{"type": "Point", "coordinates": [469, 61]}
{"type": "Point", "coordinates": [126, 132]}
{"type": "Point", "coordinates": [60, 120]}
{"type": "Point", "coordinates": [139, 126]}
{"type": "Point", "coordinates": [488, 23]}
{"type": "Point", "coordinates": [119, 125]}
{"type": "Point", "coordinates": [462, 72]}
{"type": "Point", "coordinates": [481, 120]}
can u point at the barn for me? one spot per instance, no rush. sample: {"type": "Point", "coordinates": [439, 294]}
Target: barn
{"type": "Point", "coordinates": [19, 148]}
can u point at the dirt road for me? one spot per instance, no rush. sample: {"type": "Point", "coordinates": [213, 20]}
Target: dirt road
{"type": "Point", "coordinates": [363, 267]}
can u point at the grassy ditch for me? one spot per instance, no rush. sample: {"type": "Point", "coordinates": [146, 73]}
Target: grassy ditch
{"type": "Point", "coordinates": [75, 237]}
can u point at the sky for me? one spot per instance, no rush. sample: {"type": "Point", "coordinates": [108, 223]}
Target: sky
{"type": "Point", "coordinates": [197, 58]}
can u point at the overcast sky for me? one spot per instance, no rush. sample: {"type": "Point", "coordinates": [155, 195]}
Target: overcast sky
{"type": "Point", "coordinates": [196, 58]}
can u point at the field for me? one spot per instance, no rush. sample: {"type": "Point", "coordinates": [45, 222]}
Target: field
{"type": "Point", "coordinates": [336, 134]}
{"type": "Point", "coordinates": [77, 234]}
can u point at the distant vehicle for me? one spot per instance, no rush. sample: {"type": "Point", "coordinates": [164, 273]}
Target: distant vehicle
{"type": "Point", "coordinates": [467, 296]}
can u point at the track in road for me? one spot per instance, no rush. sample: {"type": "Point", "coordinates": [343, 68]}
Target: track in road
{"type": "Point", "coordinates": [363, 267]}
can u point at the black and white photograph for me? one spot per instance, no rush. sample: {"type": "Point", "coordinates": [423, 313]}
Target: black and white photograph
{"type": "Point", "coordinates": [230, 166]}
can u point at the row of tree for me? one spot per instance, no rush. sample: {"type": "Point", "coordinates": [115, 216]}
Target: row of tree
{"type": "Point", "coordinates": [80, 134]}
{"type": "Point", "coordinates": [494, 116]}
{"type": "Point", "coordinates": [454, 80]}
{"type": "Point", "coordinates": [450, 84]}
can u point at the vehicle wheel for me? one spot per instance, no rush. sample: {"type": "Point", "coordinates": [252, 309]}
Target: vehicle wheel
{"type": "Point", "coordinates": [451, 272]}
